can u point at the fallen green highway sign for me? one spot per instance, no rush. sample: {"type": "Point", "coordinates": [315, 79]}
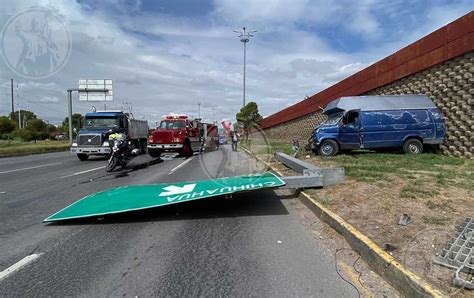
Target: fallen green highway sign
{"type": "Point", "coordinates": [138, 197]}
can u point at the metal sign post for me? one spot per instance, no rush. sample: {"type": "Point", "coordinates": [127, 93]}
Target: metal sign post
{"type": "Point", "coordinates": [89, 90]}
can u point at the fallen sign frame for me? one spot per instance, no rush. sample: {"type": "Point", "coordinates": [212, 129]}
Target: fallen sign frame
{"type": "Point", "coordinates": [139, 197]}
{"type": "Point", "coordinates": [311, 175]}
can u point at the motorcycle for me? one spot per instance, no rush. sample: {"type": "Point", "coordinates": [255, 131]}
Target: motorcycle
{"type": "Point", "coordinates": [122, 151]}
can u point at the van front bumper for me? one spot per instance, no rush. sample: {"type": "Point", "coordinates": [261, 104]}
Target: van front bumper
{"type": "Point", "coordinates": [90, 150]}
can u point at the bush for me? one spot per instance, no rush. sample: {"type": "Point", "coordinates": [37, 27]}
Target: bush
{"type": "Point", "coordinates": [6, 126]}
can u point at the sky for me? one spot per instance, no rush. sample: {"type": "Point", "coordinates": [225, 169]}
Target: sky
{"type": "Point", "coordinates": [166, 56]}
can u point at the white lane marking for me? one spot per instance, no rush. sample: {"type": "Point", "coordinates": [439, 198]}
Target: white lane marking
{"type": "Point", "coordinates": [2, 192]}
{"type": "Point", "coordinates": [83, 172]}
{"type": "Point", "coordinates": [30, 168]}
{"type": "Point", "coordinates": [180, 165]}
{"type": "Point", "coordinates": [18, 265]}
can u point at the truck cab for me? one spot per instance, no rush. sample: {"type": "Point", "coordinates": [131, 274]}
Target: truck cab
{"type": "Point", "coordinates": [175, 134]}
{"type": "Point", "coordinates": [373, 122]}
{"type": "Point", "coordinates": [182, 135]}
{"type": "Point", "coordinates": [93, 138]}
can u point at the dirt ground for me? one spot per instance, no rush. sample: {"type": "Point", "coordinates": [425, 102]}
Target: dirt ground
{"type": "Point", "coordinates": [437, 192]}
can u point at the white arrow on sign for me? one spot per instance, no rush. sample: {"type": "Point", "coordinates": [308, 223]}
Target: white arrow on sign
{"type": "Point", "coordinates": [177, 190]}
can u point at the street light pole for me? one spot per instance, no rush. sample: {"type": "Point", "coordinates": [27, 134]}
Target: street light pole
{"type": "Point", "coordinates": [199, 109]}
{"type": "Point", "coordinates": [244, 36]}
{"type": "Point", "coordinates": [245, 64]}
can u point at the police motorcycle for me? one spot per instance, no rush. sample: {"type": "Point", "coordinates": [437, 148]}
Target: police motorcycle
{"type": "Point", "coordinates": [122, 151]}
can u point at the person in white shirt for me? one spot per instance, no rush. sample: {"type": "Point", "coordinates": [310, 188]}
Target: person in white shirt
{"type": "Point", "coordinates": [235, 140]}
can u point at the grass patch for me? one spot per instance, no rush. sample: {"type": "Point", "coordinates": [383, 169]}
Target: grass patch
{"type": "Point", "coordinates": [432, 205]}
{"type": "Point", "coordinates": [441, 179]}
{"type": "Point", "coordinates": [259, 147]}
{"type": "Point", "coordinates": [23, 148]}
{"type": "Point", "coordinates": [435, 220]}
{"type": "Point", "coordinates": [326, 201]}
{"type": "Point", "coordinates": [414, 192]}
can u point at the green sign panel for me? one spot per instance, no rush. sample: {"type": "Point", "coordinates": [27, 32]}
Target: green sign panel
{"type": "Point", "coordinates": [137, 197]}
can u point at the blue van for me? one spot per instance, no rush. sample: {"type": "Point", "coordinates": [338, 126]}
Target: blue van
{"type": "Point", "coordinates": [374, 122]}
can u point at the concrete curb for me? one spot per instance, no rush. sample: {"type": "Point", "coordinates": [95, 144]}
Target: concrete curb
{"type": "Point", "coordinates": [405, 281]}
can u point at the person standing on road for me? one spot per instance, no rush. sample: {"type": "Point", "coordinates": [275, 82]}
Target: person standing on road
{"type": "Point", "coordinates": [235, 140]}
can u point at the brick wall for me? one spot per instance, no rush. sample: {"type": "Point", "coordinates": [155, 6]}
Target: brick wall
{"type": "Point", "coordinates": [439, 65]}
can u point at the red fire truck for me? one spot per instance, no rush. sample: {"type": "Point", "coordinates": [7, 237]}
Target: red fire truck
{"type": "Point", "coordinates": [182, 135]}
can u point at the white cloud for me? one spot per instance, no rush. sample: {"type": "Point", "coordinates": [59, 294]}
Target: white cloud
{"type": "Point", "coordinates": [162, 63]}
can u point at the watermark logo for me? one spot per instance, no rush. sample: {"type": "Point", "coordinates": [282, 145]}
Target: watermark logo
{"type": "Point", "coordinates": [226, 162]}
{"type": "Point", "coordinates": [36, 43]}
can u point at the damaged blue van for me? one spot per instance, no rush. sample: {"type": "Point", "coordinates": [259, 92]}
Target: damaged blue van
{"type": "Point", "coordinates": [407, 122]}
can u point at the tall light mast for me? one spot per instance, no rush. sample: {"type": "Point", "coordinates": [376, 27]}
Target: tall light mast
{"type": "Point", "coordinates": [244, 36]}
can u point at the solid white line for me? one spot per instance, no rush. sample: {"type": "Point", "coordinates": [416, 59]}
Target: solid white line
{"type": "Point", "coordinates": [30, 168]}
{"type": "Point", "coordinates": [17, 266]}
{"type": "Point", "coordinates": [83, 172]}
{"type": "Point", "coordinates": [180, 165]}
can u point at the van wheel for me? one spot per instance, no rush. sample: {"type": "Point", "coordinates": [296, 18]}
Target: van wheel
{"type": "Point", "coordinates": [328, 148]}
{"type": "Point", "coordinates": [82, 156]}
{"type": "Point", "coordinates": [412, 146]}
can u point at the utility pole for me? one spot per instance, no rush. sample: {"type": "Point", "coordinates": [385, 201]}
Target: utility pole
{"type": "Point", "coordinates": [199, 109]}
{"type": "Point", "coordinates": [244, 36]}
{"type": "Point", "coordinates": [69, 109]}
{"type": "Point", "coordinates": [13, 101]}
{"type": "Point", "coordinates": [19, 115]}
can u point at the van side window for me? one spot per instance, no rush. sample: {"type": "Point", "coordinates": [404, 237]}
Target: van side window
{"type": "Point", "coordinates": [353, 118]}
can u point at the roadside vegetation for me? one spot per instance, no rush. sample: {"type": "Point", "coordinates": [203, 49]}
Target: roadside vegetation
{"type": "Point", "coordinates": [436, 191]}
{"type": "Point", "coordinates": [22, 132]}
{"type": "Point", "coordinates": [17, 147]}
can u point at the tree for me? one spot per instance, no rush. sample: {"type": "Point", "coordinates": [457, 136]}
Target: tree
{"type": "Point", "coordinates": [35, 130]}
{"type": "Point", "coordinates": [6, 125]}
{"type": "Point", "coordinates": [76, 123]}
{"type": "Point", "coordinates": [26, 116]}
{"type": "Point", "coordinates": [249, 118]}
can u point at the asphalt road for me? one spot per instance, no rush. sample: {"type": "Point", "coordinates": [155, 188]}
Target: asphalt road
{"type": "Point", "coordinates": [212, 247]}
